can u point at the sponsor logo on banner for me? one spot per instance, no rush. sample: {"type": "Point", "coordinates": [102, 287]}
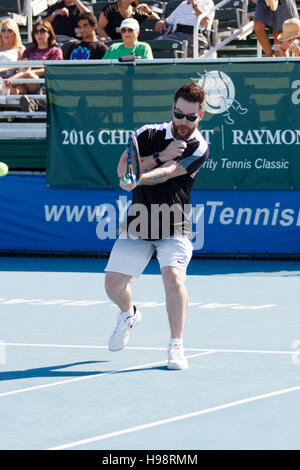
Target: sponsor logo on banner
{"type": "Point", "coordinates": [220, 95]}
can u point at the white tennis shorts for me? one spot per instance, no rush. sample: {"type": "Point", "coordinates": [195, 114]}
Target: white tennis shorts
{"type": "Point", "coordinates": [131, 256]}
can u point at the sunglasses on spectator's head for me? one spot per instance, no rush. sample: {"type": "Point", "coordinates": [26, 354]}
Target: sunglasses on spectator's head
{"type": "Point", "coordinates": [6, 30]}
{"type": "Point", "coordinates": [123, 30]}
{"type": "Point", "coordinates": [41, 30]}
{"type": "Point", "coordinates": [190, 117]}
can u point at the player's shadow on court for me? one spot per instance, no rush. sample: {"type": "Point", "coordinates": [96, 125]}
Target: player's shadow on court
{"type": "Point", "coordinates": [51, 371]}
{"type": "Point", "coordinates": [142, 369]}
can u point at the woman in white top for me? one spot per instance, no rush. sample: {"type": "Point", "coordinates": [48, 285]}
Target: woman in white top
{"type": "Point", "coordinates": [11, 47]}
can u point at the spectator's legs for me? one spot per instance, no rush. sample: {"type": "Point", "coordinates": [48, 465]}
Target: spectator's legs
{"type": "Point", "coordinates": [20, 89]}
{"type": "Point", "coordinates": [263, 38]}
{"type": "Point", "coordinates": [276, 32]}
{"type": "Point", "coordinates": [16, 89]}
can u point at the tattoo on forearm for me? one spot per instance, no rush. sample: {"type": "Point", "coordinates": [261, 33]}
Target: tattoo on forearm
{"type": "Point", "coordinates": [156, 179]}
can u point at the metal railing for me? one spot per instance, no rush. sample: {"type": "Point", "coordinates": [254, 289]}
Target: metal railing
{"type": "Point", "coordinates": [12, 101]}
{"type": "Point", "coordinates": [243, 31]}
{"type": "Point", "coordinates": [31, 8]}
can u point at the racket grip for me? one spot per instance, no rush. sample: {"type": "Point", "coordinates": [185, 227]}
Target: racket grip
{"type": "Point", "coordinates": [126, 179]}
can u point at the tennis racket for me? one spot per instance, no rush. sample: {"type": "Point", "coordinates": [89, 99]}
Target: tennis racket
{"type": "Point", "coordinates": [133, 161]}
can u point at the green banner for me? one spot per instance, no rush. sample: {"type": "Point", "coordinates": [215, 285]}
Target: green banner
{"type": "Point", "coordinates": [251, 121]}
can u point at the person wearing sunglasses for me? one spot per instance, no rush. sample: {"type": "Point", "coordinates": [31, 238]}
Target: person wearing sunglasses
{"type": "Point", "coordinates": [43, 48]}
{"type": "Point", "coordinates": [171, 156]}
{"type": "Point", "coordinates": [130, 47]}
{"type": "Point", "coordinates": [11, 47]}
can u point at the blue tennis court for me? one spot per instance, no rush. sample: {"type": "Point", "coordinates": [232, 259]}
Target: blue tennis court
{"type": "Point", "coordinates": [62, 389]}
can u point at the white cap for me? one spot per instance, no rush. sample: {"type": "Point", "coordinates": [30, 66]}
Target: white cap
{"type": "Point", "coordinates": [130, 23]}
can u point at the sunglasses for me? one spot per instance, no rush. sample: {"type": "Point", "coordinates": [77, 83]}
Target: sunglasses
{"type": "Point", "coordinates": [3, 30]}
{"type": "Point", "coordinates": [42, 30]}
{"type": "Point", "coordinates": [130, 30]}
{"type": "Point", "coordinates": [190, 117]}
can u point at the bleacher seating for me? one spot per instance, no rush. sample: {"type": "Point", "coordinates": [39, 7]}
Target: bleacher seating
{"type": "Point", "coordinates": [168, 48]}
{"type": "Point", "coordinates": [8, 7]}
{"type": "Point", "coordinates": [171, 5]}
{"type": "Point", "coordinates": [13, 9]}
{"type": "Point", "coordinates": [97, 7]}
{"type": "Point", "coordinates": [147, 30]}
{"type": "Point", "coordinates": [158, 6]}
{"type": "Point", "coordinates": [231, 16]}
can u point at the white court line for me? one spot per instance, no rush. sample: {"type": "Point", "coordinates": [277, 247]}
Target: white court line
{"type": "Point", "coordinates": [81, 346]}
{"type": "Point", "coordinates": [92, 376]}
{"type": "Point", "coordinates": [175, 418]}
{"type": "Point", "coordinates": [148, 348]}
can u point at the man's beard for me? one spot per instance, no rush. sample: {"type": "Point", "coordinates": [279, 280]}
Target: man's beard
{"type": "Point", "coordinates": [178, 135]}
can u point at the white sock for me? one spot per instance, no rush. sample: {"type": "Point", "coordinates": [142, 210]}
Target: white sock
{"type": "Point", "coordinates": [129, 313]}
{"type": "Point", "coordinates": [176, 342]}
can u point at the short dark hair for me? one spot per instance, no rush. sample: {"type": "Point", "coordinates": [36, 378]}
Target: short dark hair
{"type": "Point", "coordinates": [88, 16]}
{"type": "Point", "coordinates": [191, 92]}
{"type": "Point", "coordinates": [48, 26]}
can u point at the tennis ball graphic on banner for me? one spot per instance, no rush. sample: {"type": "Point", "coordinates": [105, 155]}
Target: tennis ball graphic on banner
{"type": "Point", "coordinates": [220, 94]}
{"type": "Point", "coordinates": [3, 169]}
{"type": "Point", "coordinates": [219, 89]}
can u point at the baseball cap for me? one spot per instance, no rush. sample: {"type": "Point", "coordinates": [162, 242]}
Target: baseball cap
{"type": "Point", "coordinates": [130, 23]}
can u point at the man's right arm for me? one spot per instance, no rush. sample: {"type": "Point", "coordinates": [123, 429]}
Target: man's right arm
{"type": "Point", "coordinates": [162, 27]}
{"type": "Point", "coordinates": [53, 13]}
{"type": "Point", "coordinates": [168, 170]}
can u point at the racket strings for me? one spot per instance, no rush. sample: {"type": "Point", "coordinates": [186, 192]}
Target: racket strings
{"type": "Point", "coordinates": [133, 167]}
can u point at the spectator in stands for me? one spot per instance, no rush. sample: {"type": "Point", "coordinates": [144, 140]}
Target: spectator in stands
{"type": "Point", "coordinates": [43, 48]}
{"type": "Point", "coordinates": [63, 16]}
{"type": "Point", "coordinates": [130, 30]}
{"type": "Point", "coordinates": [290, 38]}
{"type": "Point", "coordinates": [114, 13]}
{"type": "Point", "coordinates": [180, 24]}
{"type": "Point", "coordinates": [272, 14]}
{"type": "Point", "coordinates": [89, 47]}
{"type": "Point", "coordinates": [11, 47]}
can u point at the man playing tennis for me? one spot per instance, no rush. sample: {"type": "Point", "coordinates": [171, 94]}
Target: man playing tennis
{"type": "Point", "coordinates": [159, 218]}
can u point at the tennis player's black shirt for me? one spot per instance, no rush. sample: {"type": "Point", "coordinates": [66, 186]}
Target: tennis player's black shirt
{"type": "Point", "coordinates": [175, 193]}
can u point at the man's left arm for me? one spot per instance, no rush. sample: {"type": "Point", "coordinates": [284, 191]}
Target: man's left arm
{"type": "Point", "coordinates": [168, 170]}
{"type": "Point", "coordinates": [201, 6]}
{"type": "Point", "coordinates": [189, 165]}
{"type": "Point", "coordinates": [81, 7]}
{"type": "Point", "coordinates": [193, 163]}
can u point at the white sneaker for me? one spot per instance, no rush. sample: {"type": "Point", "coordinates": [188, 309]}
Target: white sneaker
{"type": "Point", "coordinates": [125, 323]}
{"type": "Point", "coordinates": [176, 359]}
